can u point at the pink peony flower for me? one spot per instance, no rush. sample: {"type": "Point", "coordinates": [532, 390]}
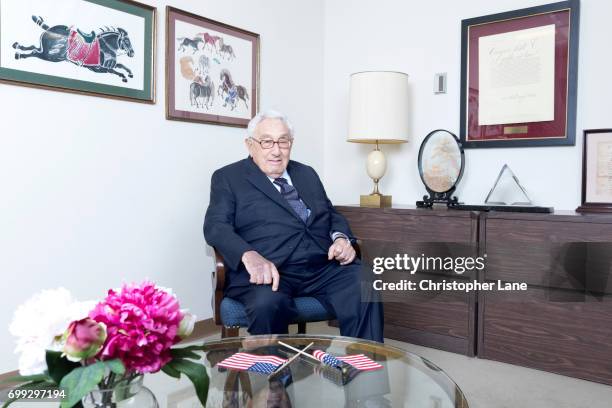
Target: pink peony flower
{"type": "Point", "coordinates": [142, 323]}
{"type": "Point", "coordinates": [84, 339]}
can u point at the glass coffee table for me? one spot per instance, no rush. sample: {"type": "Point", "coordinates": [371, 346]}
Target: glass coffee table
{"type": "Point", "coordinates": [406, 380]}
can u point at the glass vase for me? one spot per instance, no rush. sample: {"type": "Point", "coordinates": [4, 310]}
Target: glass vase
{"type": "Point", "coordinates": [125, 394]}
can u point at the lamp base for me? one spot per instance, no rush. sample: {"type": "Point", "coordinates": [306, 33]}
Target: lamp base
{"type": "Point", "coordinates": [375, 201]}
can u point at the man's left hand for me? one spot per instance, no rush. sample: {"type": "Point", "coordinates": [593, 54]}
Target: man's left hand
{"type": "Point", "coordinates": [342, 251]}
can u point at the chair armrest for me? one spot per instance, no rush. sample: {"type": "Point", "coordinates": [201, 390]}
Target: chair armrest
{"type": "Point", "coordinates": [218, 283]}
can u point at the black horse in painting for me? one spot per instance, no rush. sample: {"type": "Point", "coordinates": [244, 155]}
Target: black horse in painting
{"type": "Point", "coordinates": [96, 52]}
{"type": "Point", "coordinates": [204, 90]}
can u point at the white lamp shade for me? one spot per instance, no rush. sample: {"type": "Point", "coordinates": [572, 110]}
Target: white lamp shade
{"type": "Point", "coordinates": [378, 109]}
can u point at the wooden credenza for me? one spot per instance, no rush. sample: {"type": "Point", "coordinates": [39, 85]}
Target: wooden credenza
{"type": "Point", "coordinates": [562, 323]}
{"type": "Point", "coordinates": [444, 320]}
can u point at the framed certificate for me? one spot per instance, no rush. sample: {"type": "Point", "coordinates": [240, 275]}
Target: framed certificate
{"type": "Point", "coordinates": [597, 171]}
{"type": "Point", "coordinates": [519, 76]}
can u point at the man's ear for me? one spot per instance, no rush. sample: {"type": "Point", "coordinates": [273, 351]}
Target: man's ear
{"type": "Point", "coordinates": [248, 144]}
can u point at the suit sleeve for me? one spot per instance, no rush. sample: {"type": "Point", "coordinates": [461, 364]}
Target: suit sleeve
{"type": "Point", "coordinates": [219, 230]}
{"type": "Point", "coordinates": [338, 222]}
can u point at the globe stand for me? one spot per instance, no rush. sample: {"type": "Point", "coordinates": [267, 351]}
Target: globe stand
{"type": "Point", "coordinates": [438, 198]}
{"type": "Point", "coordinates": [445, 142]}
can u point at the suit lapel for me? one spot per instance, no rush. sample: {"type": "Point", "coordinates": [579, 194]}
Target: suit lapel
{"type": "Point", "coordinates": [258, 179]}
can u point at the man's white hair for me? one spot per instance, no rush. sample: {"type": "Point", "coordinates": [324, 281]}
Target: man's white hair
{"type": "Point", "coordinates": [268, 114]}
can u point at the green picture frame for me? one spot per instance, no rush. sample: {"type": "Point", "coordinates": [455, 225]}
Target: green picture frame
{"type": "Point", "coordinates": [81, 76]}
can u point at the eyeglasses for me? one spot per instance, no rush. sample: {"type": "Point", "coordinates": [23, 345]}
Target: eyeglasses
{"type": "Point", "coordinates": [283, 143]}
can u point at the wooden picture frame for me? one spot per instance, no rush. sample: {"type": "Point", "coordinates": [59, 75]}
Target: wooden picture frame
{"type": "Point", "coordinates": [212, 70]}
{"type": "Point", "coordinates": [519, 74]}
{"type": "Point", "coordinates": [597, 171]}
{"type": "Point", "coordinates": [92, 47]}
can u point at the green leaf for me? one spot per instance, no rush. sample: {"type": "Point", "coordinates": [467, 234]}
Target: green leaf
{"type": "Point", "coordinates": [25, 378]}
{"type": "Point", "coordinates": [192, 348]}
{"type": "Point", "coordinates": [81, 381]}
{"type": "Point", "coordinates": [8, 402]}
{"type": "Point", "coordinates": [185, 353]}
{"type": "Point", "coordinates": [172, 372]}
{"type": "Point", "coordinates": [196, 373]}
{"type": "Point", "coordinates": [116, 366]}
{"type": "Point", "coordinates": [59, 366]}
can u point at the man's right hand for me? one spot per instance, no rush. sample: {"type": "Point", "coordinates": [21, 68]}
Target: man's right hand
{"type": "Point", "coordinates": [262, 271]}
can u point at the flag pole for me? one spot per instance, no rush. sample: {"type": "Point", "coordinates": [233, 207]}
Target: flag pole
{"type": "Point", "coordinates": [299, 351]}
{"type": "Point", "coordinates": [279, 369]}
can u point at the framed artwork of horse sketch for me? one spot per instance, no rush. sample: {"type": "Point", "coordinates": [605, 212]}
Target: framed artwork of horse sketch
{"type": "Point", "coordinates": [98, 47]}
{"type": "Point", "coordinates": [212, 70]}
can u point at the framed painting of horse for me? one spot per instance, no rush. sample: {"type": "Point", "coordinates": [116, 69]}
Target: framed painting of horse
{"type": "Point", "coordinates": [212, 70]}
{"type": "Point", "coordinates": [94, 47]}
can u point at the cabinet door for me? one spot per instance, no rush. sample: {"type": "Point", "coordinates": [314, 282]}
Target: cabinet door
{"type": "Point", "coordinates": [563, 322]}
{"type": "Point", "coordinates": [439, 319]}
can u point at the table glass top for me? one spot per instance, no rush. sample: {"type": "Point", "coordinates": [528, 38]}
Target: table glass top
{"type": "Point", "coordinates": [406, 380]}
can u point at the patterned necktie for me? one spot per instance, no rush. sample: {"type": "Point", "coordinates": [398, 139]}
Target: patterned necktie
{"type": "Point", "coordinates": [290, 194]}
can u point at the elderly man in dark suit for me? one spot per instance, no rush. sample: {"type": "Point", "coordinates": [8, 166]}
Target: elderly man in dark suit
{"type": "Point", "coordinates": [280, 236]}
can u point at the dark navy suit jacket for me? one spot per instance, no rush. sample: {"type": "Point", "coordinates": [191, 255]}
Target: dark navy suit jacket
{"type": "Point", "coordinates": [246, 212]}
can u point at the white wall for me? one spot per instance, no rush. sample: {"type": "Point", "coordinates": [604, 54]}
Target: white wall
{"type": "Point", "coordinates": [120, 194]}
{"type": "Point", "coordinates": [422, 38]}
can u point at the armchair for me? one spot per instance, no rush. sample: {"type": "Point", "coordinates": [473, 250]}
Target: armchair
{"type": "Point", "coordinates": [231, 316]}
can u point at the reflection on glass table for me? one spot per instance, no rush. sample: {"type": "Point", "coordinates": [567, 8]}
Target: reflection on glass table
{"type": "Point", "coordinates": [405, 380]}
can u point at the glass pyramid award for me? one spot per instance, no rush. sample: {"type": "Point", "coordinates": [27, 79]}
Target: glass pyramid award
{"type": "Point", "coordinates": [507, 190]}
{"type": "Point", "coordinates": [507, 195]}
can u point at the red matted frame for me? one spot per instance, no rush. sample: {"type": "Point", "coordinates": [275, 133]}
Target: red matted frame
{"type": "Point", "coordinates": [558, 132]}
{"type": "Point", "coordinates": [588, 178]}
{"type": "Point", "coordinates": [223, 116]}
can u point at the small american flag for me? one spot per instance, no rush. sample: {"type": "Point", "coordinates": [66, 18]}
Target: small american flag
{"type": "Point", "coordinates": [326, 358]}
{"type": "Point", "coordinates": [359, 361]}
{"type": "Point", "coordinates": [252, 362]}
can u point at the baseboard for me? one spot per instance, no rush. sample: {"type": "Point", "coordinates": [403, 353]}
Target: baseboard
{"type": "Point", "coordinates": [202, 329]}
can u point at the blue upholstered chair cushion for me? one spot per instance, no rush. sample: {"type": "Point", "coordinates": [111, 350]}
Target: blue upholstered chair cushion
{"type": "Point", "coordinates": [309, 310]}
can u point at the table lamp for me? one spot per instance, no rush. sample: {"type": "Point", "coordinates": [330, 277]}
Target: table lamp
{"type": "Point", "coordinates": [378, 114]}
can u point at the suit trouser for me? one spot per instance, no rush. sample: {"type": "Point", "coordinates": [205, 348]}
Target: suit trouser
{"type": "Point", "coordinates": [338, 288]}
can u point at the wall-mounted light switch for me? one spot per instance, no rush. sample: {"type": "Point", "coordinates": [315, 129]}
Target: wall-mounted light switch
{"type": "Point", "coordinates": [440, 83]}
